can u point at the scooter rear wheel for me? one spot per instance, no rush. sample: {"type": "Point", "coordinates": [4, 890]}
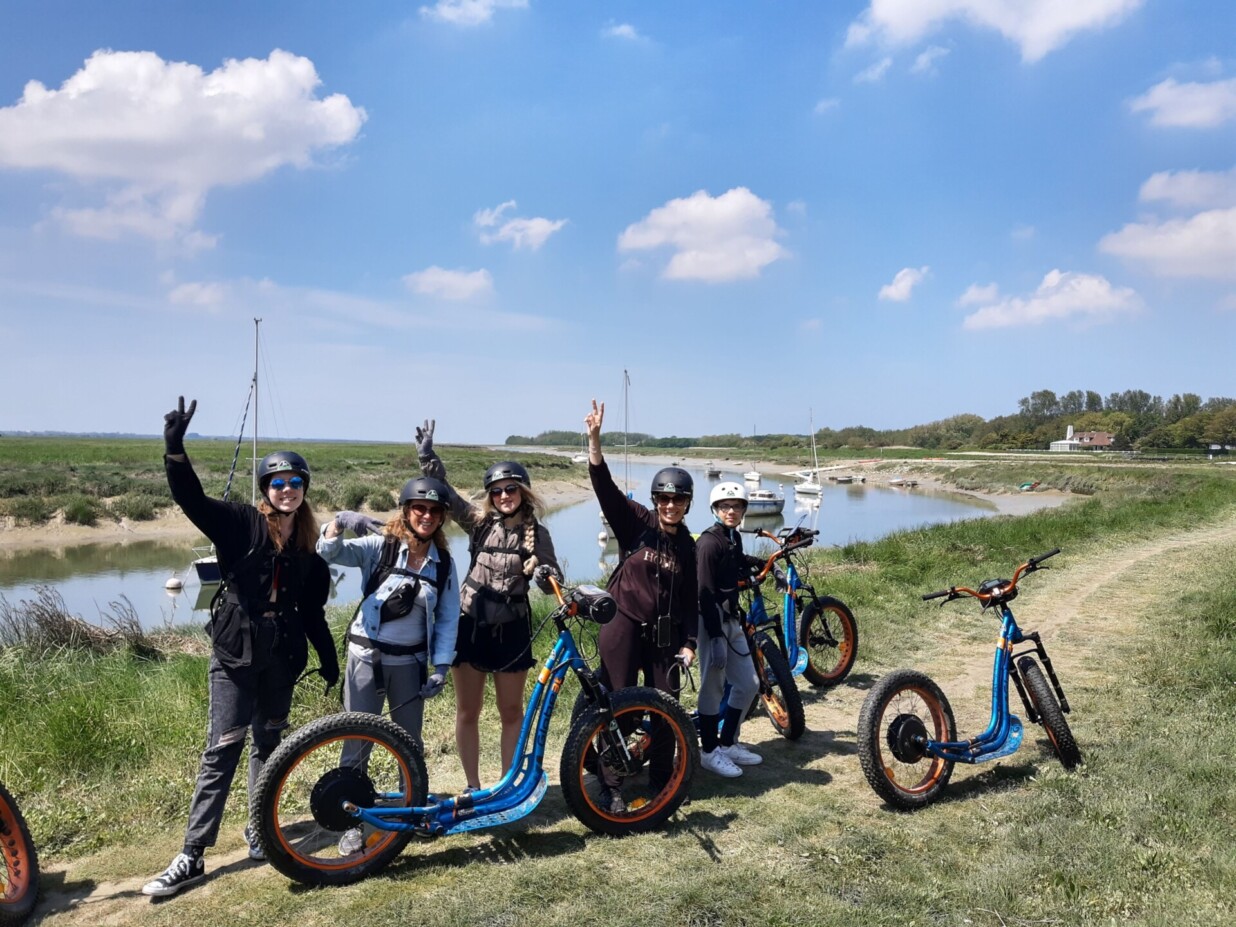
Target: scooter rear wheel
{"type": "Point", "coordinates": [298, 807]}
{"type": "Point", "coordinates": [903, 711]}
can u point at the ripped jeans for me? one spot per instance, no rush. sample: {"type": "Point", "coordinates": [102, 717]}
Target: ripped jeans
{"type": "Point", "coordinates": [242, 700]}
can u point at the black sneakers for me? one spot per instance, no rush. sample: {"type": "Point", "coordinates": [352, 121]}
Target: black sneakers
{"type": "Point", "coordinates": [184, 871]}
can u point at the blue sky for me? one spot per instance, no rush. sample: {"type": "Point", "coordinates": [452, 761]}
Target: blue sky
{"type": "Point", "coordinates": [484, 210]}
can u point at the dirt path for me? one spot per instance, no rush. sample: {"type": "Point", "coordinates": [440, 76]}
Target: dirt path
{"type": "Point", "coordinates": [1110, 585]}
{"type": "Point", "coordinates": [1080, 606]}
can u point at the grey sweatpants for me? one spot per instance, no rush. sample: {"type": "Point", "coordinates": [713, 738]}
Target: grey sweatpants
{"type": "Point", "coordinates": [739, 671]}
{"type": "Point", "coordinates": [402, 693]}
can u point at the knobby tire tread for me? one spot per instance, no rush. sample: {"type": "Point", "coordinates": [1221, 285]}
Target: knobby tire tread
{"type": "Point", "coordinates": [21, 861]}
{"type": "Point", "coordinates": [871, 733]}
{"type": "Point", "coordinates": [777, 673]}
{"type": "Point", "coordinates": [1051, 717]}
{"type": "Point", "coordinates": [284, 760]}
{"type": "Point", "coordinates": [844, 628]}
{"type": "Point", "coordinates": [579, 748]}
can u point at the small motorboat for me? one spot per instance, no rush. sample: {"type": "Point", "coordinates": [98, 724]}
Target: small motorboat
{"type": "Point", "coordinates": [712, 471]}
{"type": "Point", "coordinates": [752, 476]}
{"type": "Point", "coordinates": [765, 502]}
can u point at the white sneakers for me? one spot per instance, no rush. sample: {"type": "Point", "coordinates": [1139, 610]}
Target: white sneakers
{"type": "Point", "coordinates": [742, 756]}
{"type": "Point", "coordinates": [718, 761]}
{"type": "Point", "coordinates": [352, 841]}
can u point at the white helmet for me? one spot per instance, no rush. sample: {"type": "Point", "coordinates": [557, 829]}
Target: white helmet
{"type": "Point", "coordinates": [727, 491]}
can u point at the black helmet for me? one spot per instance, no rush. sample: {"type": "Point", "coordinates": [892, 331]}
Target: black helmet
{"type": "Point", "coordinates": [506, 470]}
{"type": "Point", "coordinates": [673, 480]}
{"type": "Point", "coordinates": [282, 462]}
{"type": "Point", "coordinates": [424, 489]}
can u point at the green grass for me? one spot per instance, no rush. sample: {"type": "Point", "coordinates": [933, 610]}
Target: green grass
{"type": "Point", "coordinates": [103, 750]}
{"type": "Point", "coordinates": [42, 476]}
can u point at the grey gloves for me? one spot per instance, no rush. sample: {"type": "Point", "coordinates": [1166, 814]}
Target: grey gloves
{"type": "Point", "coordinates": [360, 525]}
{"type": "Point", "coordinates": [424, 438]}
{"type": "Point", "coordinates": [434, 684]}
{"type": "Point", "coordinates": [541, 577]}
{"type": "Point", "coordinates": [718, 652]}
{"type": "Point", "coordinates": [175, 424]}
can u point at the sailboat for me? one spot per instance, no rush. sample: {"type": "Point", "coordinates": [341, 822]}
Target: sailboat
{"type": "Point", "coordinates": [206, 564]}
{"type": "Point", "coordinates": [810, 486]}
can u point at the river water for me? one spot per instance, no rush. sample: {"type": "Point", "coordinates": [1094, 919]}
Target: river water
{"type": "Point", "coordinates": [90, 577]}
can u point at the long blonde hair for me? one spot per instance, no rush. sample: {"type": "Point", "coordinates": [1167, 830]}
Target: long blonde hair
{"type": "Point", "coordinates": [304, 528]}
{"type": "Point", "coordinates": [397, 526]}
{"type": "Point", "coordinates": [532, 508]}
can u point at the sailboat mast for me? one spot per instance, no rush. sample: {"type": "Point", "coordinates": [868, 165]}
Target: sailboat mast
{"type": "Point", "coordinates": [626, 418]}
{"type": "Point", "coordinates": [256, 330]}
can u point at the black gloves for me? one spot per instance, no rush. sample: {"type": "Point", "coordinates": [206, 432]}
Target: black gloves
{"type": "Point", "coordinates": [175, 424]}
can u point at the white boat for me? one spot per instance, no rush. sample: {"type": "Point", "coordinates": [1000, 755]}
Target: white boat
{"type": "Point", "coordinates": [902, 481]}
{"type": "Point", "coordinates": [765, 502]}
{"type": "Point", "coordinates": [752, 476]}
{"type": "Point", "coordinates": [811, 486]}
{"type": "Point", "coordinates": [712, 471]}
{"type": "Point", "coordinates": [579, 458]}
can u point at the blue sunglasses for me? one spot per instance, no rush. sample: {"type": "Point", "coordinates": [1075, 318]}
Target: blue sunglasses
{"type": "Point", "coordinates": [279, 482]}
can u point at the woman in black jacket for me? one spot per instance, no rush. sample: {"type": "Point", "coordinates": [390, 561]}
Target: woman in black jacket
{"type": "Point", "coordinates": [654, 584]}
{"type": "Point", "coordinates": [272, 600]}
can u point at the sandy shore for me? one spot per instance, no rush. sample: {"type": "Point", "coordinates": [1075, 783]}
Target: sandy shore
{"type": "Point", "coordinates": [172, 526]}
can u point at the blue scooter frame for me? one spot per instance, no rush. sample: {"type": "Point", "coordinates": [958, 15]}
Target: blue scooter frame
{"type": "Point", "coordinates": [626, 767]}
{"type": "Point", "coordinates": [907, 740]}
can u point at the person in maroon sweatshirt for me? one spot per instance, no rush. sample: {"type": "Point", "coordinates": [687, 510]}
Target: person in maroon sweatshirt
{"type": "Point", "coordinates": [654, 585]}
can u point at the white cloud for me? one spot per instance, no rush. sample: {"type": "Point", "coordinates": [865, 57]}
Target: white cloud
{"type": "Point", "coordinates": [875, 73]}
{"type": "Point", "coordinates": [152, 137]}
{"type": "Point", "coordinates": [1191, 189]}
{"type": "Point", "coordinates": [203, 295]}
{"type": "Point", "coordinates": [715, 239]}
{"type": "Point", "coordinates": [1063, 295]}
{"type": "Point", "coordinates": [1203, 245]}
{"type": "Point", "coordinates": [624, 31]}
{"type": "Point", "coordinates": [825, 105]}
{"type": "Point", "coordinates": [1190, 105]}
{"type": "Point", "coordinates": [903, 284]}
{"type": "Point", "coordinates": [520, 232]}
{"type": "Point", "coordinates": [1023, 232]}
{"type": "Point", "coordinates": [455, 285]}
{"type": "Point", "coordinates": [925, 63]}
{"type": "Point", "coordinates": [1036, 26]}
{"type": "Point", "coordinates": [976, 295]}
{"type": "Point", "coordinates": [796, 207]}
{"type": "Point", "coordinates": [469, 12]}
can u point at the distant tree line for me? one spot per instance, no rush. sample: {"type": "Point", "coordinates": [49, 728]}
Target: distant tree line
{"type": "Point", "coordinates": [1135, 419]}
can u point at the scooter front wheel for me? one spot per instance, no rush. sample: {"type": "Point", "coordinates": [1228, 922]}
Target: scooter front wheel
{"type": "Point", "coordinates": [628, 775]}
{"type": "Point", "coordinates": [829, 633]}
{"type": "Point", "coordinates": [779, 694]}
{"type": "Point", "coordinates": [902, 712]}
{"type": "Point", "coordinates": [19, 873]}
{"type": "Point", "coordinates": [1052, 718]}
{"type": "Point", "coordinates": [299, 806]}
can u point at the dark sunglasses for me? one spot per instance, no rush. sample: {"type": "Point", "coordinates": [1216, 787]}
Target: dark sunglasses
{"type": "Point", "coordinates": [504, 490]}
{"type": "Point", "coordinates": [418, 509]}
{"type": "Point", "coordinates": [295, 482]}
{"type": "Point", "coordinates": [666, 499]}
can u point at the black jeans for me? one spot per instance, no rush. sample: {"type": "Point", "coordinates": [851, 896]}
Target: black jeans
{"type": "Point", "coordinates": [253, 698]}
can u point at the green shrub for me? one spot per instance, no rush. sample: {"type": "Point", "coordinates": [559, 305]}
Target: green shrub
{"type": "Point", "coordinates": [81, 510]}
{"type": "Point", "coordinates": [28, 510]}
{"type": "Point", "coordinates": [134, 506]}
